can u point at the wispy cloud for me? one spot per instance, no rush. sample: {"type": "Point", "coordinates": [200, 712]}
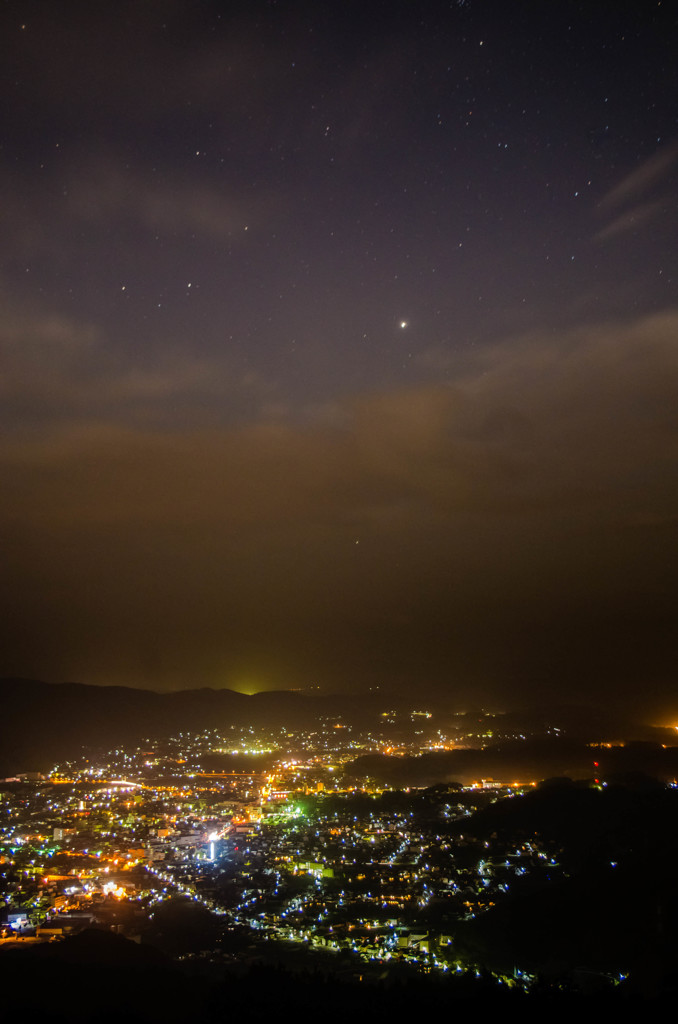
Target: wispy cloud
{"type": "Point", "coordinates": [105, 194]}
{"type": "Point", "coordinates": [650, 173]}
{"type": "Point", "coordinates": [630, 220]}
{"type": "Point", "coordinates": [59, 371]}
{"type": "Point", "coordinates": [622, 206]}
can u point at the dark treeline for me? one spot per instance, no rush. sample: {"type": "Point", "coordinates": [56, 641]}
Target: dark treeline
{"type": "Point", "coordinates": [522, 760]}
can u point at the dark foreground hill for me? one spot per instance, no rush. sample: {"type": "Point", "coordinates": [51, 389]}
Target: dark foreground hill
{"type": "Point", "coordinates": [103, 978]}
{"type": "Point", "coordinates": [612, 904]}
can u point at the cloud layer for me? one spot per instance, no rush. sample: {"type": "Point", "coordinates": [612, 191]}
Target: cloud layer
{"type": "Point", "coordinates": [517, 523]}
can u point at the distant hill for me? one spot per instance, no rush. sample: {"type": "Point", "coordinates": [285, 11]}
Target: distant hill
{"type": "Point", "coordinates": [44, 722]}
{"type": "Point", "coordinates": [47, 722]}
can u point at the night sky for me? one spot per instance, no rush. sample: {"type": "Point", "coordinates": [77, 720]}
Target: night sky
{"type": "Point", "coordinates": [339, 346]}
